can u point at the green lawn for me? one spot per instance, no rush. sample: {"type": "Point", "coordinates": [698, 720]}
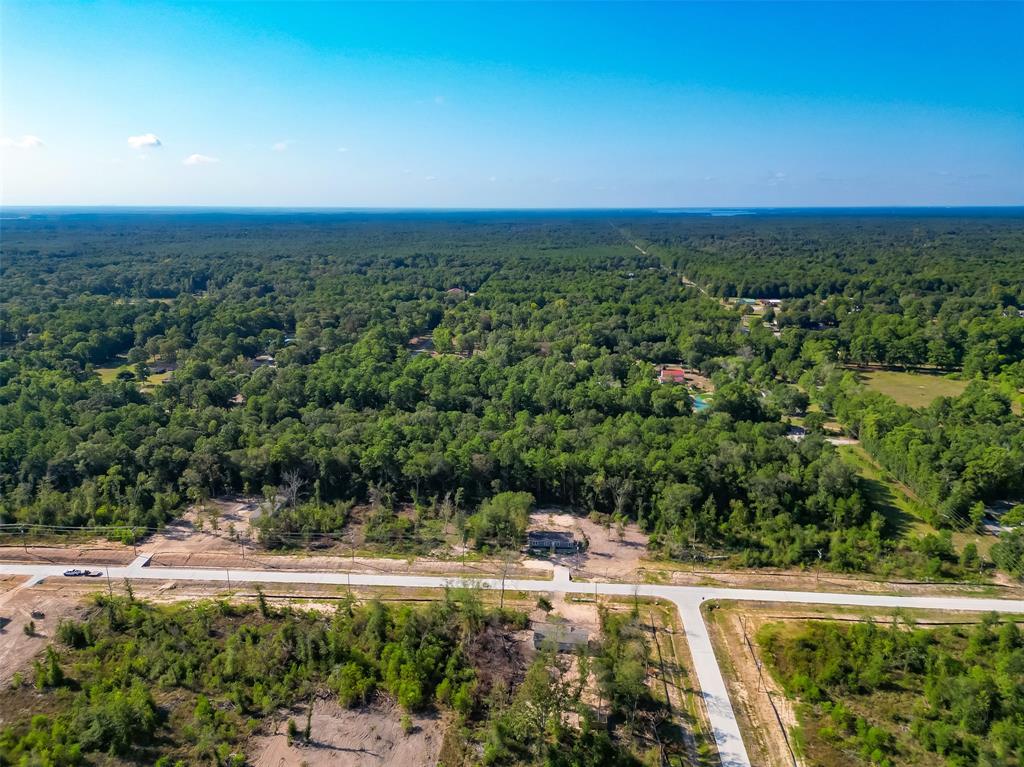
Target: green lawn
{"type": "Point", "coordinates": [898, 504]}
{"type": "Point", "coordinates": [885, 493]}
{"type": "Point", "coordinates": [913, 389]}
{"type": "Point", "coordinates": [108, 374]}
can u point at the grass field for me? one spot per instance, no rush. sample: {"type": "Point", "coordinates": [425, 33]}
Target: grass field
{"type": "Point", "coordinates": [897, 502]}
{"type": "Point", "coordinates": [890, 497]}
{"type": "Point", "coordinates": [108, 374]}
{"type": "Point", "coordinates": [913, 389]}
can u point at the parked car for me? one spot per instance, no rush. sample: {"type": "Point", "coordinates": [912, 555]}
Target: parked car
{"type": "Point", "coordinates": [91, 573]}
{"type": "Point", "coordinates": [73, 573]}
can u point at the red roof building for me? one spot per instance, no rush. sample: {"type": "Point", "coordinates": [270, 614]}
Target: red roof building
{"type": "Point", "coordinates": [671, 375]}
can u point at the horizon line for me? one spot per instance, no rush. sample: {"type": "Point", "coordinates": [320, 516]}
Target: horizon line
{"type": "Point", "coordinates": [485, 209]}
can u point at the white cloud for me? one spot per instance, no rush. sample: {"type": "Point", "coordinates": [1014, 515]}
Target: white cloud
{"type": "Point", "coordinates": [145, 141]}
{"type": "Point", "coordinates": [200, 159]}
{"type": "Point", "coordinates": [22, 142]}
{"type": "Point", "coordinates": [430, 178]}
{"type": "Point", "coordinates": [342, 148]}
{"type": "Point", "coordinates": [282, 146]}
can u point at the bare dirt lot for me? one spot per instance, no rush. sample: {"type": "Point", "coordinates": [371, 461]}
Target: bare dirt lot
{"type": "Point", "coordinates": [97, 552]}
{"type": "Point", "coordinates": [613, 552]}
{"type": "Point", "coordinates": [214, 528]}
{"type": "Point", "coordinates": [352, 737]}
{"type": "Point", "coordinates": [42, 606]}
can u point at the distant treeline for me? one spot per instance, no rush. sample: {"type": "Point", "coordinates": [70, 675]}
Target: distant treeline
{"type": "Point", "coordinates": [290, 338]}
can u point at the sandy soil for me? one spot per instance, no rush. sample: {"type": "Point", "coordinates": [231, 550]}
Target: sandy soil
{"type": "Point", "coordinates": [209, 529]}
{"type": "Point", "coordinates": [579, 612]}
{"type": "Point", "coordinates": [350, 737]}
{"type": "Point", "coordinates": [838, 441]}
{"type": "Point", "coordinates": [43, 606]}
{"type": "Point", "coordinates": [609, 556]}
{"type": "Point", "coordinates": [261, 560]}
{"type": "Point", "coordinates": [184, 544]}
{"type": "Point", "coordinates": [9, 583]}
{"type": "Point", "coordinates": [95, 552]}
{"type": "Point", "coordinates": [750, 688]}
{"type": "Point", "coordinates": [205, 539]}
{"type": "Point", "coordinates": [808, 580]}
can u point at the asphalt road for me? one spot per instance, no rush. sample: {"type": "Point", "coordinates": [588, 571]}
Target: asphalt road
{"type": "Point", "coordinates": [687, 599]}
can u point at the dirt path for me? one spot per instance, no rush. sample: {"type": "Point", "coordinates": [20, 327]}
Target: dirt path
{"type": "Point", "coordinates": [766, 717]}
{"type": "Point", "coordinates": [674, 674]}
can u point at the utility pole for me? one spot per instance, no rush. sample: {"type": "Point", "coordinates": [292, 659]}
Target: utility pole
{"type": "Point", "coordinates": [24, 544]}
{"type": "Point", "coordinates": [504, 572]}
{"type": "Point", "coordinates": [226, 570]}
{"type": "Point", "coordinates": [110, 587]}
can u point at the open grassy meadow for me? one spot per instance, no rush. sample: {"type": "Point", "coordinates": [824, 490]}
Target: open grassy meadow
{"type": "Point", "coordinates": [913, 389]}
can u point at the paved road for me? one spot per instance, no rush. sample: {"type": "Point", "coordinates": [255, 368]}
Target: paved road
{"type": "Point", "coordinates": [687, 599]}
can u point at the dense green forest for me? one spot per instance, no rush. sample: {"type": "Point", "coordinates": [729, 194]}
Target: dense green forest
{"type": "Point", "coordinates": [904, 695]}
{"type": "Point", "coordinates": [904, 290]}
{"type": "Point", "coordinates": [142, 684]}
{"type": "Point", "coordinates": [292, 343]}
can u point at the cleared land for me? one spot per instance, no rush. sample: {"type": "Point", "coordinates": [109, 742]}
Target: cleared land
{"type": "Point", "coordinates": [613, 551]}
{"type": "Point", "coordinates": [352, 737]}
{"type": "Point", "coordinates": [901, 506]}
{"type": "Point", "coordinates": [892, 498]}
{"type": "Point", "coordinates": [21, 607]}
{"type": "Point", "coordinates": [768, 737]}
{"type": "Point", "coordinates": [912, 388]}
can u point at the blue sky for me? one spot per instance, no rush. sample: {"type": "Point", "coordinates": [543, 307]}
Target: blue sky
{"type": "Point", "coordinates": [512, 105]}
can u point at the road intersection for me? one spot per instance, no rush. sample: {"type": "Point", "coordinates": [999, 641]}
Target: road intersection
{"type": "Point", "coordinates": [688, 600]}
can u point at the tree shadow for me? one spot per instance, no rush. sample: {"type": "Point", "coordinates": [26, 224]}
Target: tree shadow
{"type": "Point", "coordinates": [897, 521]}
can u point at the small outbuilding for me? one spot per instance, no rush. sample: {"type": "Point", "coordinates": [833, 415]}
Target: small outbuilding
{"type": "Point", "coordinates": [565, 637]}
{"type": "Point", "coordinates": [264, 361]}
{"type": "Point", "coordinates": [162, 366]}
